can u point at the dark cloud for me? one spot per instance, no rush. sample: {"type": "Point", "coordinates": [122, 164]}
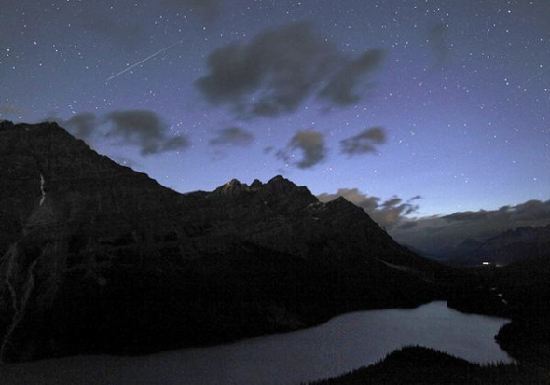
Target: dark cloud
{"type": "Point", "coordinates": [10, 110]}
{"type": "Point", "coordinates": [340, 88]}
{"type": "Point", "coordinates": [208, 10]}
{"type": "Point", "coordinates": [233, 136]}
{"type": "Point", "coordinates": [466, 216]}
{"type": "Point", "coordinates": [145, 129]}
{"type": "Point", "coordinates": [175, 143]}
{"type": "Point", "coordinates": [387, 214]}
{"type": "Point", "coordinates": [280, 69]}
{"type": "Point", "coordinates": [408, 225]}
{"type": "Point", "coordinates": [437, 37]}
{"type": "Point", "coordinates": [312, 146]}
{"type": "Point", "coordinates": [532, 210]}
{"type": "Point", "coordinates": [363, 142]}
{"type": "Point", "coordinates": [440, 235]}
{"type": "Point", "coordinates": [81, 125]}
{"type": "Point", "coordinates": [142, 128]}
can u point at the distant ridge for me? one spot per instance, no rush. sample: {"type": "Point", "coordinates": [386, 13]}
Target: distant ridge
{"type": "Point", "coordinates": [508, 247]}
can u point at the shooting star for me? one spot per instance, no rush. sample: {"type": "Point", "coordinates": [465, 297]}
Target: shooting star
{"type": "Point", "coordinates": [143, 61]}
{"type": "Point", "coordinates": [533, 77]}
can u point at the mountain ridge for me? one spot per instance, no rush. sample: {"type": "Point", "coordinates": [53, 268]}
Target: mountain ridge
{"type": "Point", "coordinates": [97, 258]}
{"type": "Point", "coordinates": [508, 247]}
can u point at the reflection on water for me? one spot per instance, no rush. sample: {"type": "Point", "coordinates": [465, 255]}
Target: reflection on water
{"type": "Point", "coordinates": [345, 343]}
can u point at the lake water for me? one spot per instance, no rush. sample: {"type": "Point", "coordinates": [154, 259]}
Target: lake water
{"type": "Point", "coordinates": [342, 344]}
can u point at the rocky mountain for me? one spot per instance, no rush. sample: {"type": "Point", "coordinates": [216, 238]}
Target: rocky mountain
{"type": "Point", "coordinates": [508, 247]}
{"type": "Point", "coordinates": [97, 258]}
{"type": "Point", "coordinates": [466, 247]}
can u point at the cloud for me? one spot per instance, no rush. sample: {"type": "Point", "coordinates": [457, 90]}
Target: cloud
{"type": "Point", "coordinates": [437, 37]}
{"type": "Point", "coordinates": [208, 10]}
{"type": "Point", "coordinates": [363, 142]}
{"type": "Point", "coordinates": [340, 89]}
{"type": "Point", "coordinates": [408, 225]}
{"type": "Point", "coordinates": [466, 216]}
{"type": "Point", "coordinates": [232, 136]}
{"type": "Point", "coordinates": [145, 129]}
{"type": "Point", "coordinates": [81, 125]}
{"type": "Point", "coordinates": [387, 214]}
{"type": "Point", "coordinates": [280, 69]}
{"type": "Point", "coordinates": [10, 110]}
{"type": "Point", "coordinates": [440, 235]}
{"type": "Point", "coordinates": [312, 146]}
{"type": "Point", "coordinates": [142, 128]}
{"type": "Point", "coordinates": [175, 143]}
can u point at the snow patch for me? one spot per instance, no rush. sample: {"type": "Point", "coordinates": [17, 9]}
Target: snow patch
{"type": "Point", "coordinates": [19, 296]}
{"type": "Point", "coordinates": [42, 189]}
{"type": "Point", "coordinates": [397, 267]}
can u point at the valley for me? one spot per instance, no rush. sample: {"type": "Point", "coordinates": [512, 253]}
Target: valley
{"type": "Point", "coordinates": [98, 259]}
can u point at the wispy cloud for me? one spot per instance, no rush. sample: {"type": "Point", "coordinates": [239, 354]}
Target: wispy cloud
{"type": "Point", "coordinates": [310, 143]}
{"type": "Point", "coordinates": [142, 128]}
{"type": "Point", "coordinates": [280, 69]}
{"type": "Point", "coordinates": [232, 136]}
{"type": "Point", "coordinates": [364, 142]}
{"type": "Point", "coordinates": [438, 39]}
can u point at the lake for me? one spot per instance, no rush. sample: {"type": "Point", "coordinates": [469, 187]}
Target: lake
{"type": "Point", "coordinates": [338, 346]}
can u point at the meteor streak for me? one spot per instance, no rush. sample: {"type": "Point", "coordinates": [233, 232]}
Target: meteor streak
{"type": "Point", "coordinates": [533, 77]}
{"type": "Point", "coordinates": [142, 61]}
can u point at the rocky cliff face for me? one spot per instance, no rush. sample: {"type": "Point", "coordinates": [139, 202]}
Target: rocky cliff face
{"type": "Point", "coordinates": [98, 258]}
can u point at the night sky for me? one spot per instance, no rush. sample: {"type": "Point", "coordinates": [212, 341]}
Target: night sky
{"type": "Point", "coordinates": [416, 108]}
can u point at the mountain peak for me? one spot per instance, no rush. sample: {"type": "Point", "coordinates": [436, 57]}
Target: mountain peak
{"type": "Point", "coordinates": [283, 186]}
{"type": "Point", "coordinates": [256, 184]}
{"type": "Point", "coordinates": [6, 125]}
{"type": "Point", "coordinates": [279, 179]}
{"type": "Point", "coordinates": [50, 150]}
{"type": "Point", "coordinates": [233, 184]}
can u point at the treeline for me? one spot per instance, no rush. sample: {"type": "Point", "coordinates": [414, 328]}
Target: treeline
{"type": "Point", "coordinates": [419, 365]}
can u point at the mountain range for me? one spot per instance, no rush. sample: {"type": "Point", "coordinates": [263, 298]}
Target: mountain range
{"type": "Point", "coordinates": [506, 248]}
{"type": "Point", "coordinates": [98, 258]}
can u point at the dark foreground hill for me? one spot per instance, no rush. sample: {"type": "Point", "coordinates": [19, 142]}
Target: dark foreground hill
{"type": "Point", "coordinates": [520, 291]}
{"type": "Point", "coordinates": [97, 258]}
{"type": "Point", "coordinates": [416, 365]}
{"type": "Point", "coordinates": [525, 285]}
